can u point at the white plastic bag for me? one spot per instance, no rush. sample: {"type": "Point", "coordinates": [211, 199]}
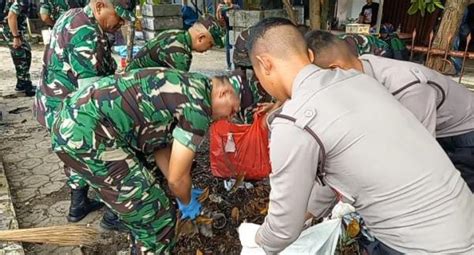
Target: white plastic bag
{"type": "Point", "coordinates": [320, 239]}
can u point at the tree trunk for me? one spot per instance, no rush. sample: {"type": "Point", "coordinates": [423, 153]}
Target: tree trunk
{"type": "Point", "coordinates": [315, 14]}
{"type": "Point", "coordinates": [290, 11]}
{"type": "Point", "coordinates": [449, 27]}
{"type": "Point", "coordinates": [324, 14]}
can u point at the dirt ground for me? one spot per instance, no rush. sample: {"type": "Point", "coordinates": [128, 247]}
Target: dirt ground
{"type": "Point", "coordinates": [41, 197]}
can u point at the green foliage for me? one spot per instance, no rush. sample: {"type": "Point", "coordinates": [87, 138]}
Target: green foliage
{"type": "Point", "coordinates": [424, 6]}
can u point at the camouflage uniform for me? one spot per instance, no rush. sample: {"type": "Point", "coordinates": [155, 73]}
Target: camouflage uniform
{"type": "Point", "coordinates": [171, 48]}
{"type": "Point", "coordinates": [367, 44]}
{"type": "Point", "coordinates": [78, 50]}
{"type": "Point", "coordinates": [251, 94]}
{"type": "Point", "coordinates": [22, 55]}
{"type": "Point", "coordinates": [101, 126]}
{"type": "Point", "coordinates": [240, 56]}
{"type": "Point", "coordinates": [55, 8]}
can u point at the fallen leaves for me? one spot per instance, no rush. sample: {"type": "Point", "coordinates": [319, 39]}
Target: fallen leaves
{"type": "Point", "coordinates": [203, 220]}
{"type": "Point", "coordinates": [235, 215]}
{"type": "Point", "coordinates": [238, 181]}
{"type": "Point", "coordinates": [353, 228]}
{"type": "Point", "coordinates": [204, 196]}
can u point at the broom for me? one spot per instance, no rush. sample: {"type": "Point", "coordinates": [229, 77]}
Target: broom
{"type": "Point", "coordinates": [66, 235]}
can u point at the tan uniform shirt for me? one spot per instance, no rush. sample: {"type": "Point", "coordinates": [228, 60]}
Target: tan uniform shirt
{"type": "Point", "coordinates": [377, 156]}
{"type": "Point", "coordinates": [445, 107]}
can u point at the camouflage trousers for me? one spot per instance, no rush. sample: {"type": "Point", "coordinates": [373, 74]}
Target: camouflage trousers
{"type": "Point", "coordinates": [130, 190]}
{"type": "Point", "coordinates": [74, 181]}
{"type": "Point", "coordinates": [21, 59]}
{"type": "Point", "coordinates": [46, 116]}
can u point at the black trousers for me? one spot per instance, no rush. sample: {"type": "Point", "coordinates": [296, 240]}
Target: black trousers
{"type": "Point", "coordinates": [460, 150]}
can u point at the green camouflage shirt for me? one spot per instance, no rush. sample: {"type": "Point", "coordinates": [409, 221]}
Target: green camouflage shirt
{"type": "Point", "coordinates": [252, 93]}
{"type": "Point", "coordinates": [78, 50]}
{"type": "Point", "coordinates": [55, 8]}
{"type": "Point", "coordinates": [20, 8]}
{"type": "Point", "coordinates": [142, 110]}
{"type": "Point", "coordinates": [367, 44]}
{"type": "Point", "coordinates": [171, 48]}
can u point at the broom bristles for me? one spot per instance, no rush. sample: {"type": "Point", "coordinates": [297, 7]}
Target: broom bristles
{"type": "Point", "coordinates": [67, 235]}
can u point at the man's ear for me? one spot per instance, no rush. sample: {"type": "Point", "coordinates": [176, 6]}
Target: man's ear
{"type": "Point", "coordinates": [336, 65]}
{"type": "Point", "coordinates": [99, 5]}
{"type": "Point", "coordinates": [311, 55]}
{"type": "Point", "coordinates": [265, 62]}
{"type": "Point", "coordinates": [201, 37]}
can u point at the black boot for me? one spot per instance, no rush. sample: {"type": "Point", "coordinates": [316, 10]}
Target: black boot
{"type": "Point", "coordinates": [110, 221]}
{"type": "Point", "coordinates": [30, 90]}
{"type": "Point", "coordinates": [81, 205]}
{"type": "Point", "coordinates": [20, 87]}
{"type": "Point", "coordinates": [133, 245]}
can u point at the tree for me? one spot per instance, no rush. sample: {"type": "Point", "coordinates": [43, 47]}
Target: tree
{"type": "Point", "coordinates": [315, 14]}
{"type": "Point", "coordinates": [319, 13]}
{"type": "Point", "coordinates": [449, 26]}
{"type": "Point", "coordinates": [289, 11]}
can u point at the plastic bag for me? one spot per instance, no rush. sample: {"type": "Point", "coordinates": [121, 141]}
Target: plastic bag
{"type": "Point", "coordinates": [240, 149]}
{"type": "Point", "coordinates": [320, 239]}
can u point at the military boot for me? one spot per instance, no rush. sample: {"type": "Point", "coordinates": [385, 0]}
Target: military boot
{"type": "Point", "coordinates": [25, 86]}
{"type": "Point", "coordinates": [81, 205]}
{"type": "Point", "coordinates": [30, 90]}
{"type": "Point", "coordinates": [20, 87]}
{"type": "Point", "coordinates": [110, 221]}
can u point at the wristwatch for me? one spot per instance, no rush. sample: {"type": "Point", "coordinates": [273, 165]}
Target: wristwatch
{"type": "Point", "coordinates": [16, 36]}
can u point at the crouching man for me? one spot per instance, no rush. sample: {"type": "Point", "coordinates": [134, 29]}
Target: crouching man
{"type": "Point", "coordinates": [152, 111]}
{"type": "Point", "coordinates": [443, 106]}
{"type": "Point", "coordinates": [342, 129]}
{"type": "Point", "coordinates": [174, 48]}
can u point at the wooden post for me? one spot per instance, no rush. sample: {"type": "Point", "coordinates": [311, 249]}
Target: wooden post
{"type": "Point", "coordinates": [290, 11]}
{"type": "Point", "coordinates": [315, 14]}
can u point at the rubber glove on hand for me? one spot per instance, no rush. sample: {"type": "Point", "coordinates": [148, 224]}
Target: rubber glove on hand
{"type": "Point", "coordinates": [192, 209]}
{"type": "Point", "coordinates": [247, 234]}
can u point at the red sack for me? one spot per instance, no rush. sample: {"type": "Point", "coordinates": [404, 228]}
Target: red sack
{"type": "Point", "coordinates": [240, 149]}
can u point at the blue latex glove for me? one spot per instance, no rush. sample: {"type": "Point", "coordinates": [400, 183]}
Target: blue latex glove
{"type": "Point", "coordinates": [192, 209]}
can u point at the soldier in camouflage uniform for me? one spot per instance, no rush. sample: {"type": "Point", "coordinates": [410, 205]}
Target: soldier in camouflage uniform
{"type": "Point", "coordinates": [79, 54]}
{"type": "Point", "coordinates": [51, 10]}
{"type": "Point", "coordinates": [14, 32]}
{"type": "Point", "coordinates": [367, 44]}
{"type": "Point", "coordinates": [173, 48]}
{"type": "Point", "coordinates": [254, 97]}
{"type": "Point", "coordinates": [101, 128]}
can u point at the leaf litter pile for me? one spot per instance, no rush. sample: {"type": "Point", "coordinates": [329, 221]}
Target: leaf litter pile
{"type": "Point", "coordinates": [215, 230]}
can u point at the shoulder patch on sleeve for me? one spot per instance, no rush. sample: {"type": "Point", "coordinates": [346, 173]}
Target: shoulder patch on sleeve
{"type": "Point", "coordinates": [419, 75]}
{"type": "Point", "coordinates": [302, 120]}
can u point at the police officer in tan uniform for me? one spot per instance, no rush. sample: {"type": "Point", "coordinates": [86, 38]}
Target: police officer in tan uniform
{"type": "Point", "coordinates": [345, 131]}
{"type": "Point", "coordinates": [445, 107]}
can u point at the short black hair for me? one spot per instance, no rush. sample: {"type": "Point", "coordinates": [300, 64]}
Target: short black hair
{"type": "Point", "coordinates": [319, 40]}
{"type": "Point", "coordinates": [259, 30]}
{"type": "Point", "coordinates": [303, 29]}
